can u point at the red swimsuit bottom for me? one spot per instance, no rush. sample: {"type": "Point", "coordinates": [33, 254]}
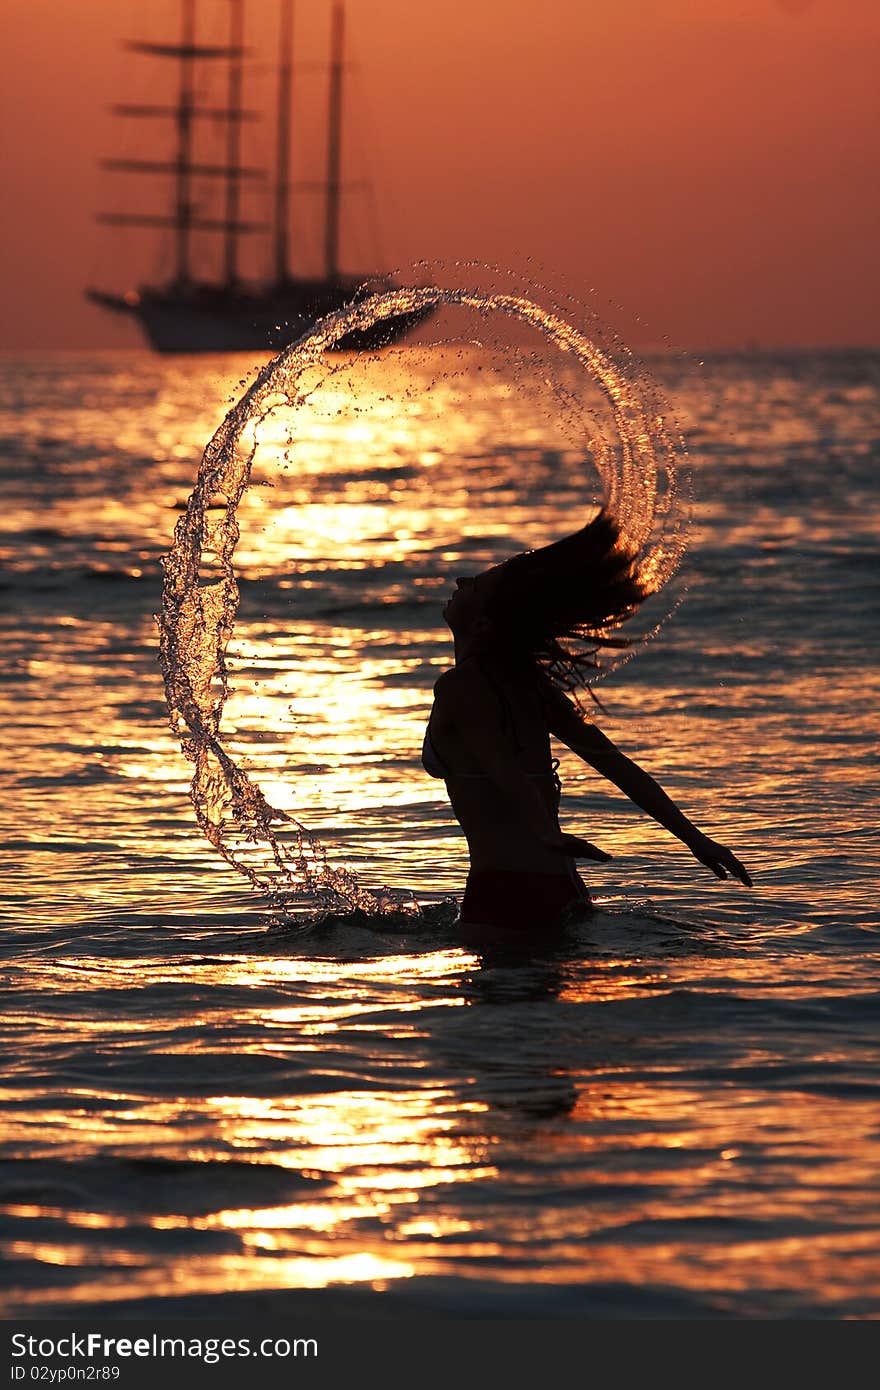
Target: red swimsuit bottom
{"type": "Point", "coordinates": [513, 901]}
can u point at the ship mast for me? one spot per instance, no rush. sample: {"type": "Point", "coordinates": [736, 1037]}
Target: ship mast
{"type": "Point", "coordinates": [184, 219]}
{"type": "Point", "coordinates": [183, 207]}
{"type": "Point", "coordinates": [334, 145]}
{"type": "Point", "coordinates": [233, 141]}
{"type": "Point", "coordinates": [282, 184]}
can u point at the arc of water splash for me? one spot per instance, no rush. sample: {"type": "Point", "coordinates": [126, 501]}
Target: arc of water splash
{"type": "Point", "coordinates": [197, 619]}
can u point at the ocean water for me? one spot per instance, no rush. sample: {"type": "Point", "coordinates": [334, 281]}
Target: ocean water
{"type": "Point", "coordinates": [674, 1113]}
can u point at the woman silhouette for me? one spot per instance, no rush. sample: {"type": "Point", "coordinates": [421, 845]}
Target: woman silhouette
{"type": "Point", "coordinates": [526, 632]}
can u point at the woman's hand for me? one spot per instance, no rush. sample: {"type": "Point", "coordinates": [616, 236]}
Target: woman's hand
{"type": "Point", "coordinates": [582, 849]}
{"type": "Point", "coordinates": [573, 846]}
{"type": "Point", "coordinates": [718, 858]}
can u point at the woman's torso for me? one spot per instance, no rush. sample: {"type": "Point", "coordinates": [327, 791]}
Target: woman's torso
{"type": "Point", "coordinates": [497, 835]}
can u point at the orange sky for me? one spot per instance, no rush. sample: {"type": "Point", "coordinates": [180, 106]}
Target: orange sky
{"type": "Point", "coordinates": [710, 166]}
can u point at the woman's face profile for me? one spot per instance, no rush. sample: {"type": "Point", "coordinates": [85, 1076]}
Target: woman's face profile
{"type": "Point", "coordinates": [463, 605]}
{"type": "Point", "coordinates": [467, 604]}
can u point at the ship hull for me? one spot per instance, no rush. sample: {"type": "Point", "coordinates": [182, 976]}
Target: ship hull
{"type": "Point", "coordinates": [208, 320]}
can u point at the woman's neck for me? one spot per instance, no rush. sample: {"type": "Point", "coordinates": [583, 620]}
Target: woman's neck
{"type": "Point", "coordinates": [466, 647]}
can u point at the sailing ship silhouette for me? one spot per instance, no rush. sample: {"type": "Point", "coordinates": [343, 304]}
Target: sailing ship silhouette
{"type": "Point", "coordinates": [187, 314]}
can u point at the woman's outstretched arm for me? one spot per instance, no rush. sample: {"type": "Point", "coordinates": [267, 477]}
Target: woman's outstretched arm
{"type": "Point", "coordinates": [595, 748]}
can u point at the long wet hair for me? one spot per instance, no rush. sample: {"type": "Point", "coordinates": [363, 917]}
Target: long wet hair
{"type": "Point", "coordinates": [562, 604]}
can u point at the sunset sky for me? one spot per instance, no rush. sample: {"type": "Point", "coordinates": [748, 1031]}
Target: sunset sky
{"type": "Point", "coordinates": [709, 167]}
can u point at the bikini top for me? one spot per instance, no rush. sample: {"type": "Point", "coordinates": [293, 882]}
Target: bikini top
{"type": "Point", "coordinates": [435, 767]}
{"type": "Point", "coordinates": [431, 761]}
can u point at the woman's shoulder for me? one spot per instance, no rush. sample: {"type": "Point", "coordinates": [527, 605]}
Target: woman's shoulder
{"type": "Point", "coordinates": [471, 680]}
{"type": "Point", "coordinates": [459, 679]}
{"type": "Point", "coordinates": [444, 681]}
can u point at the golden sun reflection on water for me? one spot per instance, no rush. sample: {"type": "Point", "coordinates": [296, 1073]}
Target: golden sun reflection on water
{"type": "Point", "coordinates": [329, 737]}
{"type": "Point", "coordinates": [136, 1277]}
